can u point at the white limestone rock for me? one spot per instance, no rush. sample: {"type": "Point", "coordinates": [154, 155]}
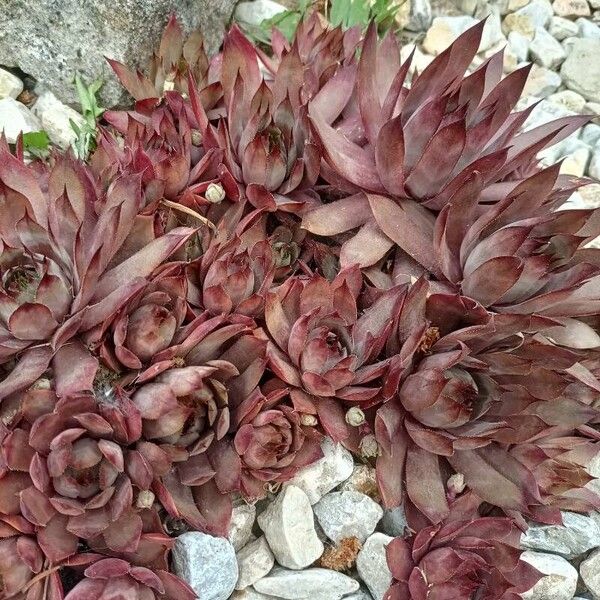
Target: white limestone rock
{"type": "Point", "coordinates": [16, 118]}
{"type": "Point", "coordinates": [578, 534]}
{"type": "Point", "coordinates": [347, 514]}
{"type": "Point", "coordinates": [10, 85]}
{"type": "Point", "coordinates": [581, 69]}
{"type": "Point", "coordinates": [527, 19]}
{"type": "Point", "coordinates": [288, 524]}
{"type": "Point", "coordinates": [571, 8]}
{"type": "Point", "coordinates": [309, 584]}
{"type": "Point", "coordinates": [545, 50]}
{"type": "Point", "coordinates": [541, 82]}
{"type": "Point", "coordinates": [242, 521]}
{"type": "Point", "coordinates": [589, 570]}
{"type": "Point", "coordinates": [444, 31]}
{"type": "Point", "coordinates": [372, 567]}
{"type": "Point", "coordinates": [56, 118]}
{"type": "Point", "coordinates": [255, 12]}
{"type": "Point", "coordinates": [561, 28]}
{"type": "Point", "coordinates": [559, 581]}
{"type": "Point", "coordinates": [588, 29]}
{"type": "Point", "coordinates": [206, 563]}
{"type": "Point", "coordinates": [326, 473]}
{"type": "Point", "coordinates": [255, 560]}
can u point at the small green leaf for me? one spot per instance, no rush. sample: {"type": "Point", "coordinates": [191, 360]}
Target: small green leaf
{"type": "Point", "coordinates": [36, 140]}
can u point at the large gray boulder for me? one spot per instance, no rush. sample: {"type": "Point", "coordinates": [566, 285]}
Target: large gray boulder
{"type": "Point", "coordinates": [54, 39]}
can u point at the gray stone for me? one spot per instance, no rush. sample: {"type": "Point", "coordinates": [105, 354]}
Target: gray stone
{"type": "Point", "coordinates": [372, 567]}
{"type": "Point", "coordinates": [394, 522]}
{"type": "Point", "coordinates": [54, 39]}
{"type": "Point", "coordinates": [588, 29]}
{"type": "Point", "coordinates": [309, 584]}
{"type": "Point", "coordinates": [561, 28]}
{"type": "Point", "coordinates": [528, 18]}
{"type": "Point", "coordinates": [519, 44]}
{"type": "Point", "coordinates": [10, 85]}
{"type": "Point", "coordinates": [255, 560]}
{"type": "Point", "coordinates": [362, 594]}
{"type": "Point", "coordinates": [594, 166]}
{"type": "Point", "coordinates": [251, 594]}
{"type": "Point", "coordinates": [347, 514]}
{"type": "Point", "coordinates": [288, 524]}
{"type": "Point", "coordinates": [55, 118]}
{"type": "Point", "coordinates": [545, 112]}
{"type": "Point", "coordinates": [589, 570]}
{"type": "Point", "coordinates": [545, 50]}
{"type": "Point", "coordinates": [559, 581]}
{"type": "Point", "coordinates": [363, 480]}
{"type": "Point", "coordinates": [568, 99]}
{"type": "Point", "coordinates": [575, 164]}
{"type": "Point", "coordinates": [541, 82]}
{"type": "Point", "coordinates": [569, 148]}
{"type": "Point", "coordinates": [578, 534]}
{"type": "Point", "coordinates": [254, 13]}
{"type": "Point", "coordinates": [420, 15]}
{"type": "Point", "coordinates": [326, 473]}
{"type": "Point", "coordinates": [207, 564]}
{"type": "Point", "coordinates": [571, 8]}
{"type": "Point", "coordinates": [444, 31]}
{"type": "Point", "coordinates": [581, 69]}
{"type": "Point", "coordinates": [16, 118]}
{"type": "Point", "coordinates": [242, 521]}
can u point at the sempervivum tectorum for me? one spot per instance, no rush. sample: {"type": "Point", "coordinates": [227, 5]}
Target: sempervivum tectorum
{"type": "Point", "coordinates": [185, 399]}
{"type": "Point", "coordinates": [272, 441]}
{"type": "Point", "coordinates": [478, 558]}
{"type": "Point", "coordinates": [112, 578]}
{"type": "Point", "coordinates": [419, 147]}
{"type": "Point", "coordinates": [323, 347]}
{"type": "Point", "coordinates": [88, 256]}
{"type": "Point", "coordinates": [232, 278]}
{"type": "Point", "coordinates": [468, 389]}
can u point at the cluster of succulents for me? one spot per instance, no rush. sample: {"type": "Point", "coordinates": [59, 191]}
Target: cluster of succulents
{"type": "Point", "coordinates": [272, 247]}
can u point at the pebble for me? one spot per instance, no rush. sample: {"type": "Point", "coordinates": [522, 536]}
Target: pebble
{"type": "Point", "coordinates": [568, 99]}
{"type": "Point", "coordinates": [545, 112]}
{"type": "Point", "coordinates": [363, 480]}
{"type": "Point", "coordinates": [581, 69]}
{"type": "Point", "coordinates": [594, 168]}
{"type": "Point", "coordinates": [444, 31]}
{"type": "Point", "coordinates": [541, 82]}
{"type": "Point", "coordinates": [347, 514]}
{"type": "Point", "coordinates": [545, 50]}
{"type": "Point", "coordinates": [561, 28]}
{"type": "Point", "coordinates": [559, 581]}
{"type": "Point", "coordinates": [527, 19]}
{"type": "Point", "coordinates": [568, 44]}
{"type": "Point", "coordinates": [519, 44]}
{"type": "Point", "coordinates": [588, 29]}
{"type": "Point", "coordinates": [590, 195]}
{"type": "Point", "coordinates": [55, 118]}
{"type": "Point", "coordinates": [571, 8]}
{"type": "Point", "coordinates": [16, 118]}
{"type": "Point", "coordinates": [492, 32]}
{"type": "Point", "coordinates": [394, 522]}
{"type": "Point", "coordinates": [310, 584]}
{"type": "Point", "coordinates": [372, 567]}
{"type": "Point", "coordinates": [255, 560]}
{"type": "Point", "coordinates": [362, 594]}
{"type": "Point", "coordinates": [420, 15]}
{"type": "Point", "coordinates": [514, 5]}
{"type": "Point", "coordinates": [242, 521]}
{"type": "Point", "coordinates": [257, 11]}
{"type": "Point", "coordinates": [206, 563]}
{"type": "Point", "coordinates": [577, 535]}
{"type": "Point", "coordinates": [592, 108]}
{"type": "Point", "coordinates": [322, 476]}
{"type": "Point", "coordinates": [589, 570]}
{"type": "Point", "coordinates": [576, 164]}
{"type": "Point", "coordinates": [289, 526]}
{"type": "Point", "coordinates": [10, 85]}
{"type": "Point", "coordinates": [565, 148]}
{"type": "Point", "coordinates": [250, 594]}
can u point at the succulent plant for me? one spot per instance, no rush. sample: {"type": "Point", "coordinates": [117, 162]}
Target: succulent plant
{"type": "Point", "coordinates": [269, 247]}
{"type": "Point", "coordinates": [462, 560]}
{"type": "Point", "coordinates": [113, 578]}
